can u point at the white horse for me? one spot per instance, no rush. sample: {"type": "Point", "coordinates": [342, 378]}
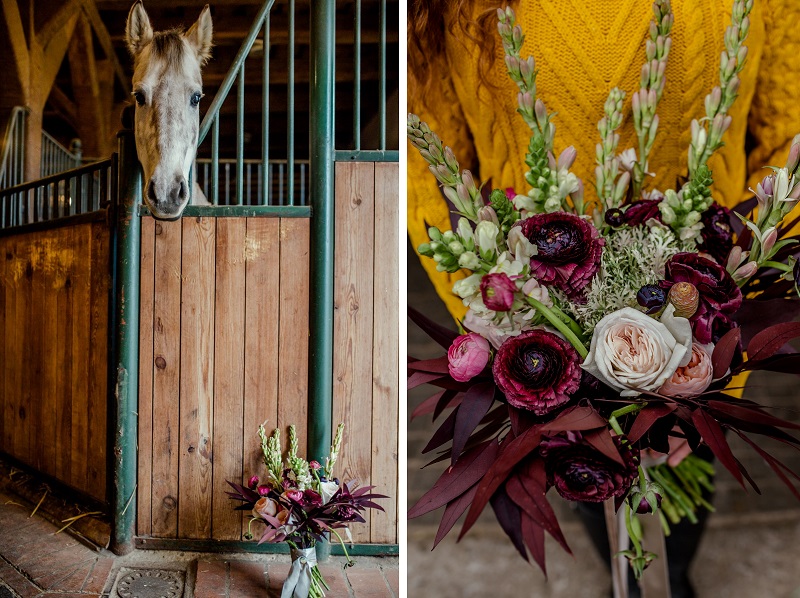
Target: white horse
{"type": "Point", "coordinates": [167, 87]}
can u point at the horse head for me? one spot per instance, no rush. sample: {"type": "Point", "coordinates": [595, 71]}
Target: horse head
{"type": "Point", "coordinates": [167, 87]}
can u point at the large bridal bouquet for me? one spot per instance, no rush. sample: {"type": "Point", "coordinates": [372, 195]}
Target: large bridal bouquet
{"type": "Point", "coordinates": [299, 502]}
{"type": "Point", "coordinates": [603, 330]}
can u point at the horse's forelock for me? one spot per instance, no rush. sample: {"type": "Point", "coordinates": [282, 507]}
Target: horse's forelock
{"type": "Point", "coordinates": [168, 45]}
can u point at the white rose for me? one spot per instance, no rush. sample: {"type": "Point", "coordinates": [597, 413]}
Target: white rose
{"type": "Point", "coordinates": [327, 490]}
{"type": "Point", "coordinates": [632, 352]}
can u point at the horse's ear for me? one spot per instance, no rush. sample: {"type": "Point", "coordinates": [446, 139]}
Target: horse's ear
{"type": "Point", "coordinates": [200, 34]}
{"type": "Point", "coordinates": [138, 32]}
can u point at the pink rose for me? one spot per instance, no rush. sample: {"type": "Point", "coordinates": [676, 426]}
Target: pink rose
{"type": "Point", "coordinates": [497, 291]}
{"type": "Point", "coordinates": [467, 356]}
{"type": "Point", "coordinates": [692, 379]}
{"type": "Point", "coordinates": [266, 507]}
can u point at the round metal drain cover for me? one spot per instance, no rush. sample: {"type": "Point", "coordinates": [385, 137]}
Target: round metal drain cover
{"type": "Point", "coordinates": [150, 583]}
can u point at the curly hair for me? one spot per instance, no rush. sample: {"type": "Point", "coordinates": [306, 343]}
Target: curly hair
{"type": "Point", "coordinates": [427, 23]}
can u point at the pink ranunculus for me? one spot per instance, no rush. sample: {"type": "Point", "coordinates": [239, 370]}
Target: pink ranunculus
{"type": "Point", "coordinates": [497, 291]}
{"type": "Point", "coordinates": [263, 490]}
{"type": "Point", "coordinates": [253, 482]}
{"type": "Point", "coordinates": [692, 379]}
{"type": "Point", "coordinates": [314, 465]}
{"type": "Point", "coordinates": [266, 507]}
{"type": "Point", "coordinates": [294, 495]}
{"type": "Point", "coordinates": [467, 356]}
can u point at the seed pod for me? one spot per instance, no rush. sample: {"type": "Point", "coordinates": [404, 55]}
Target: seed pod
{"type": "Point", "coordinates": [685, 297]}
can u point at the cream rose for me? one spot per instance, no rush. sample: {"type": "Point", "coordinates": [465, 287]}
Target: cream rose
{"type": "Point", "coordinates": [633, 353]}
{"type": "Point", "coordinates": [266, 507]}
{"type": "Point", "coordinates": [693, 378]}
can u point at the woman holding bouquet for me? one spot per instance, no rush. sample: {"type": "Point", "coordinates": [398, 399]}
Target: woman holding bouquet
{"type": "Point", "coordinates": [458, 82]}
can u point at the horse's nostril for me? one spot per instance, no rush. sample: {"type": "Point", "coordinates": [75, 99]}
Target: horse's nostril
{"type": "Point", "coordinates": [182, 193]}
{"type": "Point", "coordinates": [151, 191]}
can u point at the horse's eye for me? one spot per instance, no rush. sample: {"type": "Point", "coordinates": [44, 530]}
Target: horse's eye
{"type": "Point", "coordinates": [195, 100]}
{"type": "Point", "coordinates": [139, 97]}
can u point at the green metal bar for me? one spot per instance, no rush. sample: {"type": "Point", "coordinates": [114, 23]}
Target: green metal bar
{"type": "Point", "coordinates": [357, 78]}
{"type": "Point", "coordinates": [223, 546]}
{"type": "Point", "coordinates": [265, 118]}
{"type": "Point", "coordinates": [241, 211]}
{"type": "Point", "coordinates": [240, 138]}
{"type": "Point", "coordinates": [227, 83]}
{"type": "Point", "coordinates": [290, 91]}
{"type": "Point", "coordinates": [127, 238]}
{"type": "Point", "coordinates": [382, 78]}
{"type": "Point", "coordinates": [366, 156]}
{"type": "Point", "coordinates": [320, 346]}
{"type": "Point", "coordinates": [215, 163]}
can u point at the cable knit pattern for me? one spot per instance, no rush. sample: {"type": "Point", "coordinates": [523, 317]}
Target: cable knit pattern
{"type": "Point", "coordinates": [583, 48]}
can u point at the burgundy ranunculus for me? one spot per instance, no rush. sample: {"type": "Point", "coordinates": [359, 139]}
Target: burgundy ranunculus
{"type": "Point", "coordinates": [312, 498]}
{"type": "Point", "coordinates": [569, 250]}
{"type": "Point", "coordinates": [497, 291]}
{"type": "Point", "coordinates": [581, 472]}
{"type": "Point", "coordinates": [537, 371]}
{"type": "Point", "coordinates": [639, 212]}
{"type": "Point", "coordinates": [719, 294]}
{"type": "Point", "coordinates": [717, 235]}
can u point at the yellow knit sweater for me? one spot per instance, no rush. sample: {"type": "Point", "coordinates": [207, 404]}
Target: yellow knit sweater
{"type": "Point", "coordinates": [583, 48]}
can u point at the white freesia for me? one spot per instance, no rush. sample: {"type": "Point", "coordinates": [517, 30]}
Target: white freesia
{"type": "Point", "coordinates": [519, 246]}
{"type": "Point", "coordinates": [633, 353]}
{"type": "Point", "coordinates": [467, 287]}
{"type": "Point", "coordinates": [506, 264]}
{"type": "Point", "coordinates": [327, 490]}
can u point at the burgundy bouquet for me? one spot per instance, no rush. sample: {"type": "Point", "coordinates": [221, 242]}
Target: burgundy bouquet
{"type": "Point", "coordinates": [601, 326]}
{"type": "Point", "coordinates": [298, 502]}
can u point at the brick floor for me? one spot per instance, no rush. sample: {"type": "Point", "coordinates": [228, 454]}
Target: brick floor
{"type": "Point", "coordinates": [37, 563]}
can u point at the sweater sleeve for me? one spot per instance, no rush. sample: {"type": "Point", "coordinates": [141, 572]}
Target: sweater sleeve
{"type": "Point", "coordinates": [774, 117]}
{"type": "Point", "coordinates": [440, 108]}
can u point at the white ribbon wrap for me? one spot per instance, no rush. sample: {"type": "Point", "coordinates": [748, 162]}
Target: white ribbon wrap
{"type": "Point", "coordinates": [298, 583]}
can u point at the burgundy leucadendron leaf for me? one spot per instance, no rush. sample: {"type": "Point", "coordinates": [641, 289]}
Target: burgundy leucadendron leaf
{"type": "Point", "coordinates": [754, 314]}
{"type": "Point", "coordinates": [476, 404]}
{"type": "Point", "coordinates": [491, 424]}
{"type": "Point", "coordinates": [775, 465]}
{"type": "Point", "coordinates": [445, 398]}
{"type": "Point", "coordinates": [534, 539]}
{"type": "Point", "coordinates": [714, 437]}
{"type": "Point", "coordinates": [454, 509]}
{"type": "Point", "coordinates": [647, 418]}
{"type": "Point", "coordinates": [724, 352]}
{"type": "Point", "coordinates": [767, 342]}
{"type": "Point", "coordinates": [602, 441]}
{"type": "Point", "coordinates": [443, 336]}
{"type": "Point", "coordinates": [439, 365]}
{"type": "Point", "coordinates": [458, 479]}
{"type": "Point", "coordinates": [786, 364]}
{"type": "Point", "coordinates": [510, 519]}
{"type": "Point", "coordinates": [575, 419]}
{"type": "Point", "coordinates": [444, 432]}
{"type": "Point", "coordinates": [751, 413]}
{"type": "Point", "coordinates": [420, 378]}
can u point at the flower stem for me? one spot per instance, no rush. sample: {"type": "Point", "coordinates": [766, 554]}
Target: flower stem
{"type": "Point", "coordinates": [350, 562]}
{"type": "Point", "coordinates": [612, 419]}
{"type": "Point", "coordinates": [777, 266]}
{"type": "Point", "coordinates": [560, 325]}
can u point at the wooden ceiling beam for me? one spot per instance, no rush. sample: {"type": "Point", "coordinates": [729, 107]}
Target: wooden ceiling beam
{"type": "Point", "coordinates": [90, 9]}
{"type": "Point", "coordinates": [65, 107]}
{"type": "Point", "coordinates": [56, 22]}
{"type": "Point", "coordinates": [19, 46]}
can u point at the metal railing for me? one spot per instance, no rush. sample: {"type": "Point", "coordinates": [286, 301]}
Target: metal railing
{"type": "Point", "coordinates": [78, 191]}
{"type": "Point", "coordinates": [278, 179]}
{"type": "Point", "coordinates": [56, 158]}
{"type": "Point", "coordinates": [12, 150]}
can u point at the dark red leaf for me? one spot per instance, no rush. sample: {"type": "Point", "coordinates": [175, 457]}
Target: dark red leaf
{"type": "Point", "coordinates": [510, 519]}
{"type": "Point", "coordinates": [444, 432]}
{"type": "Point", "coordinates": [437, 366]}
{"type": "Point", "coordinates": [602, 441]}
{"type": "Point", "coordinates": [454, 509]}
{"type": "Point", "coordinates": [451, 398]}
{"type": "Point", "coordinates": [534, 539]}
{"type": "Point", "coordinates": [429, 405]}
{"type": "Point", "coordinates": [512, 452]}
{"type": "Point", "coordinates": [457, 479]}
{"type": "Point", "coordinates": [420, 378]}
{"type": "Point", "coordinates": [786, 364]}
{"type": "Point", "coordinates": [647, 417]}
{"type": "Point", "coordinates": [521, 419]}
{"type": "Point", "coordinates": [751, 414]}
{"type": "Point", "coordinates": [775, 465]}
{"type": "Point", "coordinates": [476, 404]}
{"type": "Point", "coordinates": [767, 342]}
{"type": "Point", "coordinates": [724, 351]}
{"type": "Point", "coordinates": [755, 314]}
{"type": "Point", "coordinates": [443, 336]}
{"type": "Point", "coordinates": [714, 437]}
{"type": "Point", "coordinates": [575, 419]}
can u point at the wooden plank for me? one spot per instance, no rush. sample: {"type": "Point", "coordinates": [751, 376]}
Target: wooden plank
{"type": "Point", "coordinates": [353, 321]}
{"type": "Point", "coordinates": [262, 252]}
{"type": "Point", "coordinates": [48, 247]}
{"type": "Point", "coordinates": [4, 322]}
{"type": "Point", "coordinates": [144, 476]}
{"type": "Point", "coordinates": [98, 359]}
{"type": "Point", "coordinates": [80, 279]}
{"type": "Point", "coordinates": [12, 342]}
{"type": "Point", "coordinates": [25, 318]}
{"type": "Point", "coordinates": [166, 378]}
{"type": "Point", "coordinates": [41, 403]}
{"type": "Point", "coordinates": [385, 353]}
{"type": "Point", "coordinates": [64, 292]}
{"type": "Point", "coordinates": [197, 377]}
{"type": "Point", "coordinates": [229, 335]}
{"type": "Point", "coordinates": [293, 339]}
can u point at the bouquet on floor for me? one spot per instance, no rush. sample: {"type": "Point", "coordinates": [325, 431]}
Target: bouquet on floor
{"type": "Point", "coordinates": [600, 330]}
{"type": "Point", "coordinates": [298, 502]}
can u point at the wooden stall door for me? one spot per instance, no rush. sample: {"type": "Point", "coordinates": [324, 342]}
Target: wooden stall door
{"type": "Point", "coordinates": [366, 377]}
{"type": "Point", "coordinates": [54, 352]}
{"type": "Point", "coordinates": [223, 348]}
